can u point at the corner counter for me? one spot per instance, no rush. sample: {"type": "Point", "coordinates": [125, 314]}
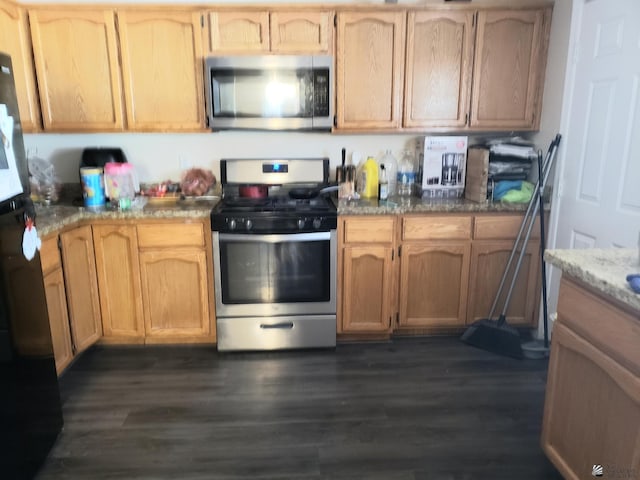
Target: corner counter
{"type": "Point", "coordinates": [592, 403]}
{"type": "Point", "coordinates": [53, 218]}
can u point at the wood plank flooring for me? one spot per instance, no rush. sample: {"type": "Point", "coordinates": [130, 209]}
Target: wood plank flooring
{"type": "Point", "coordinates": [411, 409]}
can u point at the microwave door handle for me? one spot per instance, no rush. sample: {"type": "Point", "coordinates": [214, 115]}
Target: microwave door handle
{"type": "Point", "coordinates": [277, 238]}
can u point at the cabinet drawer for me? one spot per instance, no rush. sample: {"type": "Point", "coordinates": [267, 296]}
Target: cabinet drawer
{"type": "Point", "coordinates": [436, 228]}
{"type": "Point", "coordinates": [50, 254]}
{"type": "Point", "coordinates": [501, 226]}
{"type": "Point", "coordinates": [171, 235]}
{"type": "Point", "coordinates": [602, 324]}
{"type": "Point", "coordinates": [372, 229]}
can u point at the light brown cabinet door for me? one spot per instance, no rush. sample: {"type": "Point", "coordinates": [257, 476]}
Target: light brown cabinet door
{"type": "Point", "coordinates": [488, 261]}
{"type": "Point", "coordinates": [239, 32]}
{"type": "Point", "coordinates": [508, 74]}
{"type": "Point", "coordinates": [162, 69]}
{"type": "Point", "coordinates": [592, 407]}
{"type": "Point", "coordinates": [118, 269]}
{"type": "Point", "coordinates": [366, 289]}
{"type": "Point", "coordinates": [76, 58]}
{"type": "Point", "coordinates": [433, 284]}
{"type": "Point", "coordinates": [438, 68]}
{"type": "Point", "coordinates": [301, 32]}
{"type": "Point", "coordinates": [175, 292]}
{"type": "Point", "coordinates": [58, 319]}
{"type": "Point", "coordinates": [16, 41]}
{"type": "Point", "coordinates": [370, 66]}
{"type": "Point", "coordinates": [78, 261]}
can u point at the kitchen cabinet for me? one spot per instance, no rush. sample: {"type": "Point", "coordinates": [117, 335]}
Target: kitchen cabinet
{"type": "Point", "coordinates": [438, 68]}
{"type": "Point", "coordinates": [175, 276]}
{"type": "Point", "coordinates": [78, 261]}
{"type": "Point", "coordinates": [306, 31]}
{"type": "Point", "coordinates": [434, 271]}
{"type": "Point", "coordinates": [278, 31]}
{"type": "Point", "coordinates": [76, 58]}
{"type": "Point", "coordinates": [118, 273]}
{"type": "Point", "coordinates": [494, 236]}
{"type": "Point", "coordinates": [464, 69]}
{"type": "Point", "coordinates": [366, 263]}
{"type": "Point", "coordinates": [162, 69]}
{"type": "Point", "coordinates": [55, 293]}
{"type": "Point", "coordinates": [592, 400]}
{"type": "Point", "coordinates": [509, 65]}
{"type": "Point", "coordinates": [370, 69]}
{"type": "Point", "coordinates": [16, 41]}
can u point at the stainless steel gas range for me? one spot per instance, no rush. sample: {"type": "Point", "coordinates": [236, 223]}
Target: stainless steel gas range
{"type": "Point", "coordinates": [274, 255]}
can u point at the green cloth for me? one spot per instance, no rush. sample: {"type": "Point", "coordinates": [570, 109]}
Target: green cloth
{"type": "Point", "coordinates": [521, 195]}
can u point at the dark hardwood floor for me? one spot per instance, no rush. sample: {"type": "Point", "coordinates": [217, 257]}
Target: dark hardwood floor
{"type": "Point", "coordinates": [418, 409]}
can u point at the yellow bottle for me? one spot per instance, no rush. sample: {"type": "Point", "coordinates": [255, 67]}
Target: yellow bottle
{"type": "Point", "coordinates": [368, 179]}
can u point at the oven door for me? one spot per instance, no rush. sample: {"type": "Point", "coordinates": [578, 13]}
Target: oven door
{"type": "Point", "coordinates": [275, 275]}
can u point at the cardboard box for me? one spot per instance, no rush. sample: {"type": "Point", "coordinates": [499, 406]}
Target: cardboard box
{"type": "Point", "coordinates": [476, 182]}
{"type": "Point", "coordinates": [444, 163]}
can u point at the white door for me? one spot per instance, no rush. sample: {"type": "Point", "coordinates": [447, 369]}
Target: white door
{"type": "Point", "coordinates": [599, 178]}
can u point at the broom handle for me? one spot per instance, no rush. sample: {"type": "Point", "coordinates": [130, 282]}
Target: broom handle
{"type": "Point", "coordinates": [536, 195]}
{"type": "Point", "coordinates": [526, 218]}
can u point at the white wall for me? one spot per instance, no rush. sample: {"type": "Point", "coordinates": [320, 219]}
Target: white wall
{"type": "Point", "coordinates": [160, 157]}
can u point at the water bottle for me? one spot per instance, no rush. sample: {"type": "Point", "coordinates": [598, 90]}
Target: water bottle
{"type": "Point", "coordinates": [406, 175]}
{"type": "Point", "coordinates": [391, 166]}
{"type": "Point", "coordinates": [383, 186]}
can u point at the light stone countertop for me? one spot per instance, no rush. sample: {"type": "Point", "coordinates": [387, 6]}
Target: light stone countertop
{"type": "Point", "coordinates": [603, 269]}
{"type": "Point", "coordinates": [52, 218]}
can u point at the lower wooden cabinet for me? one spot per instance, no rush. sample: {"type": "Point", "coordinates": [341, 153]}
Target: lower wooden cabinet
{"type": "Point", "coordinates": [58, 318]}
{"type": "Point", "coordinates": [367, 282]}
{"type": "Point", "coordinates": [116, 249]}
{"type": "Point", "coordinates": [433, 284]}
{"type": "Point", "coordinates": [174, 290]}
{"type": "Point", "coordinates": [81, 282]}
{"type": "Point", "coordinates": [488, 261]}
{"type": "Point", "coordinates": [592, 400]}
{"type": "Point", "coordinates": [431, 273]}
{"type": "Point", "coordinates": [366, 266]}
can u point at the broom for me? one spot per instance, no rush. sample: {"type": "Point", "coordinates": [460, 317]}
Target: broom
{"type": "Point", "coordinates": [497, 335]}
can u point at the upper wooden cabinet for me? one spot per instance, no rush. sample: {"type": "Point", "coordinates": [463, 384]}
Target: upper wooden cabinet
{"type": "Point", "coordinates": [76, 57]}
{"type": "Point", "coordinates": [16, 41]}
{"type": "Point", "coordinates": [286, 31]}
{"type": "Point", "coordinates": [162, 69]}
{"type": "Point", "coordinates": [238, 32]}
{"type": "Point", "coordinates": [510, 60]}
{"type": "Point", "coordinates": [438, 68]}
{"type": "Point", "coordinates": [301, 32]}
{"type": "Point", "coordinates": [370, 67]}
{"type": "Point", "coordinates": [446, 86]}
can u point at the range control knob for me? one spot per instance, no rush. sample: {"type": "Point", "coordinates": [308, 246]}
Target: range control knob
{"type": "Point", "coordinates": [248, 224]}
{"type": "Point", "coordinates": [301, 223]}
{"type": "Point", "coordinates": [317, 223]}
{"type": "Point", "coordinates": [232, 224]}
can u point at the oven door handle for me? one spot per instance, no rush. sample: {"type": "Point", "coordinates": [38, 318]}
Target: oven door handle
{"type": "Point", "coordinates": [281, 326]}
{"type": "Point", "coordinates": [277, 238]}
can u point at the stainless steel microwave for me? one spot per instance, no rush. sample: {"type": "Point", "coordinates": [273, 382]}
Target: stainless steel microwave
{"type": "Point", "coordinates": [269, 92]}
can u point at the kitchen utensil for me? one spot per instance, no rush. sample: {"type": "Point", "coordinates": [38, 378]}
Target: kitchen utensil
{"type": "Point", "coordinates": [253, 191]}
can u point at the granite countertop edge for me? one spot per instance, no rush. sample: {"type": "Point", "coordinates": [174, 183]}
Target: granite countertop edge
{"type": "Point", "coordinates": [55, 217]}
{"type": "Point", "coordinates": [50, 219]}
{"type": "Point", "coordinates": [603, 269]}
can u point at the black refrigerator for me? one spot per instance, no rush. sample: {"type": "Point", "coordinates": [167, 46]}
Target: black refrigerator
{"type": "Point", "coordinates": [30, 410]}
